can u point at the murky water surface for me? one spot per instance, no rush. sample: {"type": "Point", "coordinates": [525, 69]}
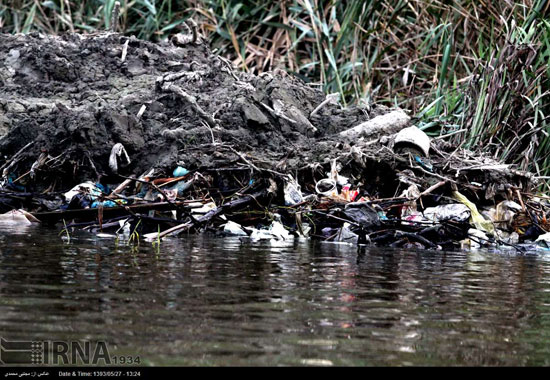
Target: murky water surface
{"type": "Point", "coordinates": [210, 301]}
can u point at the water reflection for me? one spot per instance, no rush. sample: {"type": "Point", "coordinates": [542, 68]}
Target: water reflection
{"type": "Point", "coordinates": [202, 300]}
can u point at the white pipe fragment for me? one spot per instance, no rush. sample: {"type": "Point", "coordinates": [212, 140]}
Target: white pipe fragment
{"type": "Point", "coordinates": [388, 123]}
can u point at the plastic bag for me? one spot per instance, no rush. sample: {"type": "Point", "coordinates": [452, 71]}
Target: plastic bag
{"type": "Point", "coordinates": [476, 219]}
{"type": "Point", "coordinates": [456, 211]}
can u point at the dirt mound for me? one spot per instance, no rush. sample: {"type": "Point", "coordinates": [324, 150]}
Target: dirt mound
{"type": "Point", "coordinates": [73, 97]}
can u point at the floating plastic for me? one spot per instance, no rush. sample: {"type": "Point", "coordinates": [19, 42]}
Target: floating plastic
{"type": "Point", "coordinates": [345, 234]}
{"type": "Point", "coordinates": [275, 232]}
{"type": "Point", "coordinates": [477, 238]}
{"type": "Point", "coordinates": [203, 209]}
{"type": "Point", "coordinates": [341, 180]}
{"type": "Point", "coordinates": [410, 219]}
{"type": "Point", "coordinates": [260, 235]}
{"type": "Point", "coordinates": [363, 214]}
{"type": "Point", "coordinates": [233, 228]}
{"type": "Point", "coordinates": [508, 237]}
{"type": "Point", "coordinates": [410, 208]}
{"type": "Point", "coordinates": [117, 150]}
{"type": "Point", "coordinates": [182, 186]}
{"type": "Point", "coordinates": [505, 212]}
{"type": "Point", "coordinates": [348, 194]}
{"type": "Point", "coordinates": [18, 217]}
{"type": "Point", "coordinates": [279, 232]}
{"type": "Point", "coordinates": [80, 201]}
{"type": "Point", "coordinates": [107, 203]}
{"type": "Point", "coordinates": [544, 240]}
{"type": "Point", "coordinates": [425, 164]}
{"type": "Point", "coordinates": [458, 212]}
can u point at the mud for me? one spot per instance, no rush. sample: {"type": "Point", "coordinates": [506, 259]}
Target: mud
{"type": "Point", "coordinates": [75, 96]}
{"type": "Point", "coordinates": [69, 99]}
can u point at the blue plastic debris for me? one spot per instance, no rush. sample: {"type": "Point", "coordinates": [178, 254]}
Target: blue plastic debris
{"type": "Point", "coordinates": [426, 165]}
{"type": "Point", "coordinates": [180, 171]}
{"type": "Point", "coordinates": [96, 204]}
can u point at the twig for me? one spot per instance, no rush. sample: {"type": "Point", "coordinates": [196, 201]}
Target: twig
{"type": "Point", "coordinates": [484, 167]}
{"type": "Point", "coordinates": [251, 164]}
{"type": "Point", "coordinates": [211, 132]}
{"type": "Point", "coordinates": [433, 174]}
{"type": "Point", "coordinates": [50, 159]}
{"type": "Point", "coordinates": [15, 156]}
{"type": "Point", "coordinates": [336, 217]}
{"type": "Point", "coordinates": [279, 114]}
{"type": "Point", "coordinates": [124, 184]}
{"type": "Point", "coordinates": [449, 134]}
{"type": "Point", "coordinates": [331, 98]}
{"type": "Point", "coordinates": [416, 237]}
{"type": "Point", "coordinates": [168, 87]}
{"type": "Point", "coordinates": [431, 188]}
{"type": "Point", "coordinates": [520, 200]}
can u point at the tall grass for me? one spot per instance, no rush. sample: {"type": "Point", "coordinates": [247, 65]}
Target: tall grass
{"type": "Point", "coordinates": [478, 70]}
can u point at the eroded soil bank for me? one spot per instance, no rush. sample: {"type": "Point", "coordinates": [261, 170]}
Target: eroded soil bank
{"type": "Point", "coordinates": [79, 95]}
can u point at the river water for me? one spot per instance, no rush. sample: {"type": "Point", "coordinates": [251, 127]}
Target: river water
{"type": "Point", "coordinates": [201, 300]}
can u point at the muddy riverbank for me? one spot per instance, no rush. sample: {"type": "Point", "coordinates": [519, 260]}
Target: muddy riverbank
{"type": "Point", "coordinates": [130, 116]}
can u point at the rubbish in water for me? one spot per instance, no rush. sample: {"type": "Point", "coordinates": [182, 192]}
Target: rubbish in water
{"type": "Point", "coordinates": [279, 232]}
{"type": "Point", "coordinates": [476, 239]}
{"type": "Point", "coordinates": [362, 214]}
{"type": "Point", "coordinates": [233, 228]}
{"type": "Point", "coordinates": [458, 212]}
{"type": "Point", "coordinates": [333, 176]}
{"type": "Point", "coordinates": [345, 234]}
{"type": "Point", "coordinates": [347, 194]}
{"type": "Point", "coordinates": [18, 217]}
{"type": "Point", "coordinates": [86, 187]}
{"type": "Point", "coordinates": [478, 221]}
{"type": "Point", "coordinates": [203, 209]}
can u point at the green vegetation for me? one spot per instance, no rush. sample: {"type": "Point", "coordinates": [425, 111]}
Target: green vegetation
{"type": "Point", "coordinates": [477, 71]}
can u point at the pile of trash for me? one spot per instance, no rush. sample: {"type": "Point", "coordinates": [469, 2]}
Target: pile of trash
{"type": "Point", "coordinates": [110, 134]}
